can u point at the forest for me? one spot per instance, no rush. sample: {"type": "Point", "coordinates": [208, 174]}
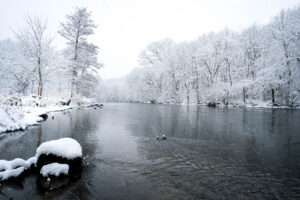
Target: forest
{"type": "Point", "coordinates": [37, 78]}
{"type": "Point", "coordinates": [31, 64]}
{"type": "Point", "coordinates": [259, 66]}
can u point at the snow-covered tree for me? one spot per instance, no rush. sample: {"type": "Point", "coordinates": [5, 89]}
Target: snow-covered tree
{"type": "Point", "coordinates": [34, 43]}
{"type": "Point", "coordinates": [15, 78]}
{"type": "Point", "coordinates": [259, 64]}
{"type": "Point", "coordinates": [81, 54]}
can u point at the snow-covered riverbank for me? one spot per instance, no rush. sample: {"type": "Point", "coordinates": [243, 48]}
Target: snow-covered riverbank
{"type": "Point", "coordinates": [19, 112]}
{"type": "Point", "coordinates": [250, 104]}
{"type": "Point", "coordinates": [239, 104]}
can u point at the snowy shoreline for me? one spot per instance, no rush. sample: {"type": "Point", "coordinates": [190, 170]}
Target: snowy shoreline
{"type": "Point", "coordinates": [21, 112]}
{"type": "Point", "coordinates": [266, 105]}
{"type": "Point", "coordinates": [18, 113]}
{"type": "Point", "coordinates": [263, 105]}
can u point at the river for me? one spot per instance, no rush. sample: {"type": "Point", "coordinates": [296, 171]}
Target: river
{"type": "Point", "coordinates": [210, 153]}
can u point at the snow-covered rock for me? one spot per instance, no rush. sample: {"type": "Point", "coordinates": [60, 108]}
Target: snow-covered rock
{"type": "Point", "coordinates": [64, 147]}
{"type": "Point", "coordinates": [14, 168]}
{"type": "Point", "coordinates": [54, 169]}
{"type": "Point", "coordinates": [12, 164]}
{"type": "Point", "coordinates": [64, 150]}
{"type": "Point", "coordinates": [11, 173]}
{"type": "Point", "coordinates": [55, 157]}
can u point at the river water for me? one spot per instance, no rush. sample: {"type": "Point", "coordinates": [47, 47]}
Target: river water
{"type": "Point", "coordinates": [210, 153]}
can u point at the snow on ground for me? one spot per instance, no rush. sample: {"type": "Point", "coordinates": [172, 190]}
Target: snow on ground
{"type": "Point", "coordinates": [19, 112]}
{"type": "Point", "coordinates": [54, 169]}
{"type": "Point", "coordinates": [64, 147]}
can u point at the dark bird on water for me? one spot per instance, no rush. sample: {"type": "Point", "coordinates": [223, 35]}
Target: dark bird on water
{"type": "Point", "coordinates": [163, 137]}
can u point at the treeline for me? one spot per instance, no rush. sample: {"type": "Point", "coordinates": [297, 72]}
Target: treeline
{"type": "Point", "coordinates": [260, 65]}
{"type": "Point", "coordinates": [30, 63]}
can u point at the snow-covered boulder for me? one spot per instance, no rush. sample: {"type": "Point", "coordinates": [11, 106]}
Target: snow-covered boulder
{"type": "Point", "coordinates": [65, 151]}
{"type": "Point", "coordinates": [52, 158]}
{"type": "Point", "coordinates": [15, 168]}
{"type": "Point", "coordinates": [63, 147]}
{"type": "Point", "coordinates": [54, 169]}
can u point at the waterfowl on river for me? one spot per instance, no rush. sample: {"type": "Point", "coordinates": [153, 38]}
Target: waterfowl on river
{"type": "Point", "coordinates": [163, 137]}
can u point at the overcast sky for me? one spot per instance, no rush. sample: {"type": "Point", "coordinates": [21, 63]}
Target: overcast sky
{"type": "Point", "coordinates": [125, 27]}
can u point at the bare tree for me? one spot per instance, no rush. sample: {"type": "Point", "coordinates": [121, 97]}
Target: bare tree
{"type": "Point", "coordinates": [34, 43]}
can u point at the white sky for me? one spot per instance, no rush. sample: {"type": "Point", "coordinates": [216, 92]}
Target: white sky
{"type": "Point", "coordinates": [125, 27]}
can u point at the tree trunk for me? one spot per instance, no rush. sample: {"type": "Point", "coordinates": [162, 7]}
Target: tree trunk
{"type": "Point", "coordinates": [187, 93]}
{"type": "Point", "coordinates": [40, 86]}
{"type": "Point", "coordinates": [73, 84]}
{"type": "Point", "coordinates": [74, 67]}
{"type": "Point", "coordinates": [273, 96]}
{"type": "Point", "coordinates": [244, 95]}
{"type": "Point", "coordinates": [229, 72]}
{"type": "Point", "coordinates": [198, 94]}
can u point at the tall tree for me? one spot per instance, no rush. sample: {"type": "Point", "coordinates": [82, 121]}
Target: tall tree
{"type": "Point", "coordinates": [81, 54]}
{"type": "Point", "coordinates": [34, 42]}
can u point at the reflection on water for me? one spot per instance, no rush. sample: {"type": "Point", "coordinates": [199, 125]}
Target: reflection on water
{"type": "Point", "coordinates": [210, 153]}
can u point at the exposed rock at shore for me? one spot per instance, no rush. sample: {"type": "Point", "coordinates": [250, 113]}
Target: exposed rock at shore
{"type": "Point", "coordinates": [53, 159]}
{"type": "Point", "coordinates": [211, 104]}
{"type": "Point", "coordinates": [100, 105]}
{"type": "Point", "coordinates": [44, 116]}
{"type": "Point", "coordinates": [75, 164]}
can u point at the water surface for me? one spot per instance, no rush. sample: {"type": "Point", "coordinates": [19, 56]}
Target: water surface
{"type": "Point", "coordinates": [209, 154]}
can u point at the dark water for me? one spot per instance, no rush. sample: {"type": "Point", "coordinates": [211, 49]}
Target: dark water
{"type": "Point", "coordinates": [210, 153]}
